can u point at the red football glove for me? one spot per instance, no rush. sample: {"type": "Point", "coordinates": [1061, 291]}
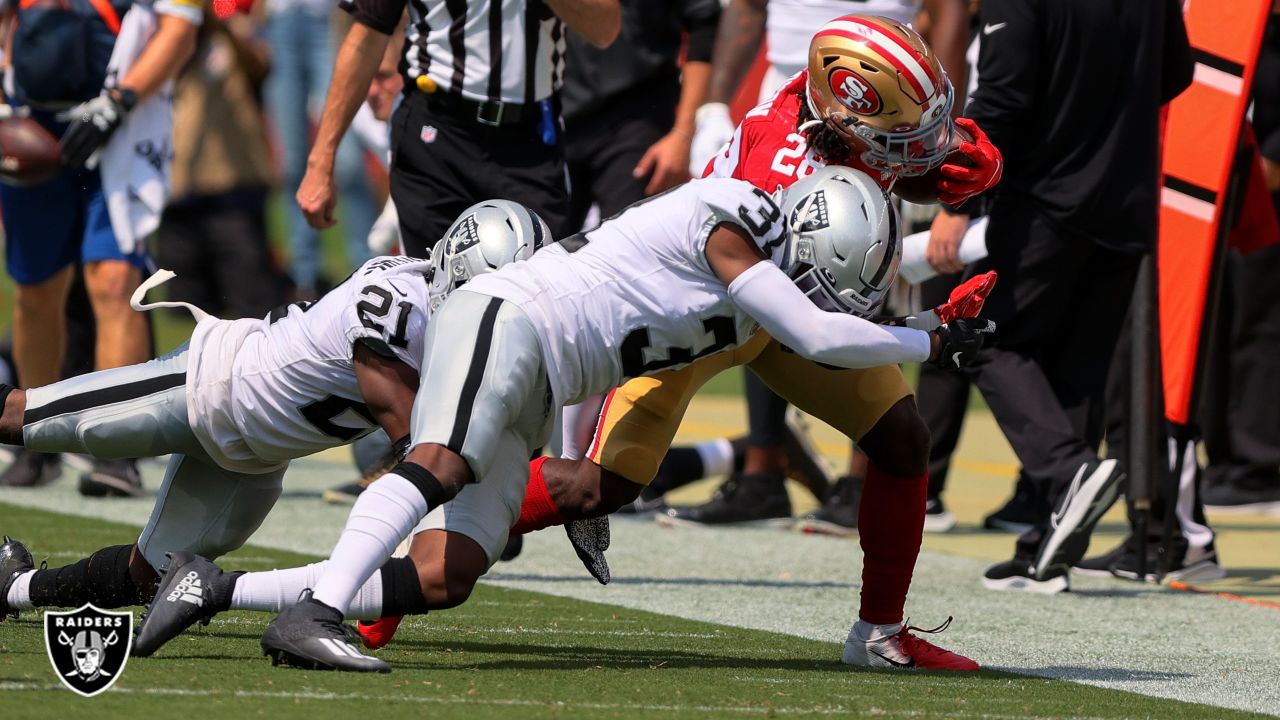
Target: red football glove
{"type": "Point", "coordinates": [967, 299]}
{"type": "Point", "coordinates": [958, 183]}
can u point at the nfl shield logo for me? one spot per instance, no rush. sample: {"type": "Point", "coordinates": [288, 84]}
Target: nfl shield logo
{"type": "Point", "coordinates": [88, 647]}
{"type": "Point", "coordinates": [428, 134]}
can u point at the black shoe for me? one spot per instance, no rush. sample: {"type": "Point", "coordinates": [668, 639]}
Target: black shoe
{"type": "Point", "coordinates": [1018, 575]}
{"type": "Point", "coordinates": [32, 469]}
{"type": "Point", "coordinates": [1196, 565]}
{"type": "Point", "coordinates": [651, 500]}
{"type": "Point", "coordinates": [112, 478]}
{"type": "Point", "coordinates": [804, 463]}
{"type": "Point", "coordinates": [1100, 565]}
{"type": "Point", "coordinates": [343, 494]}
{"type": "Point", "coordinates": [742, 499]}
{"type": "Point", "coordinates": [310, 635]}
{"type": "Point", "coordinates": [1235, 498]}
{"type": "Point", "coordinates": [1092, 492]}
{"type": "Point", "coordinates": [515, 544]}
{"type": "Point", "coordinates": [192, 590]}
{"type": "Point", "coordinates": [839, 514]}
{"type": "Point", "coordinates": [15, 559]}
{"type": "Point", "coordinates": [590, 538]}
{"type": "Point", "coordinates": [1018, 515]}
{"type": "Point", "coordinates": [937, 519]}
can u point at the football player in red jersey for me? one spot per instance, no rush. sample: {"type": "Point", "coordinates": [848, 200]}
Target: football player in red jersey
{"type": "Point", "coordinates": [876, 99]}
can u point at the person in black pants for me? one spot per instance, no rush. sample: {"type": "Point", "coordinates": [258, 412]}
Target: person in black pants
{"type": "Point", "coordinates": [629, 108]}
{"type": "Point", "coordinates": [1076, 119]}
{"type": "Point", "coordinates": [480, 114]}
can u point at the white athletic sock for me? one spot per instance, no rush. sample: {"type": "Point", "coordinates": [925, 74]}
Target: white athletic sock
{"type": "Point", "coordinates": [19, 597]}
{"type": "Point", "coordinates": [275, 590]}
{"type": "Point", "coordinates": [382, 516]}
{"type": "Point", "coordinates": [717, 457]}
{"type": "Point", "coordinates": [868, 632]}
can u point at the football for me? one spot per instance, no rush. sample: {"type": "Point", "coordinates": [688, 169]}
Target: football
{"type": "Point", "coordinates": [923, 189]}
{"type": "Point", "coordinates": [29, 154]}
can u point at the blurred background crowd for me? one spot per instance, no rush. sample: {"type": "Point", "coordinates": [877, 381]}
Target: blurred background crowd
{"type": "Point", "coordinates": [276, 191]}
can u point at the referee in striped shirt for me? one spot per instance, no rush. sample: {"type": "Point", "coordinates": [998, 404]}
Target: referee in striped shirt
{"type": "Point", "coordinates": [480, 116]}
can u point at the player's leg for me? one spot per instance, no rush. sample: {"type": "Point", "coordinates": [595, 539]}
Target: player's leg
{"type": "Point", "coordinates": [484, 396]}
{"type": "Point", "coordinates": [875, 408]}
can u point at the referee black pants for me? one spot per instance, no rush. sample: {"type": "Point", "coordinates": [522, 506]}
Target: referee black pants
{"type": "Point", "coordinates": [1059, 306]}
{"type": "Point", "coordinates": [441, 164]}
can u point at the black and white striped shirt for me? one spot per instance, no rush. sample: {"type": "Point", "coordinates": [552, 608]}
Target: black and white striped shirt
{"type": "Point", "coordinates": [507, 50]}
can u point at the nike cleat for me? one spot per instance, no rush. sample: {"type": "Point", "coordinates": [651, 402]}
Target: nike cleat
{"type": "Point", "coordinates": [15, 559]}
{"type": "Point", "coordinates": [310, 635]}
{"type": "Point", "coordinates": [379, 633]}
{"type": "Point", "coordinates": [1019, 575]}
{"type": "Point", "coordinates": [590, 538]}
{"type": "Point", "coordinates": [870, 646]}
{"type": "Point", "coordinates": [1092, 492]}
{"type": "Point", "coordinates": [192, 590]}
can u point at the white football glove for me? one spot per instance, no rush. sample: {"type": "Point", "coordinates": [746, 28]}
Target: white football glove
{"type": "Point", "coordinates": [712, 129]}
{"type": "Point", "coordinates": [384, 236]}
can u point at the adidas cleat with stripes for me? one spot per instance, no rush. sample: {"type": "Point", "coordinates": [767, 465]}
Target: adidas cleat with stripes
{"type": "Point", "coordinates": [192, 590]}
{"type": "Point", "coordinates": [310, 635]}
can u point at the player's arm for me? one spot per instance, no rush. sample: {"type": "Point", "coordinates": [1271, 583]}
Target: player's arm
{"type": "Point", "coordinates": [353, 70]}
{"type": "Point", "coordinates": [388, 387]}
{"type": "Point", "coordinates": [765, 293]}
{"type": "Point", "coordinates": [949, 39]}
{"type": "Point", "coordinates": [599, 21]}
{"type": "Point", "coordinates": [92, 123]}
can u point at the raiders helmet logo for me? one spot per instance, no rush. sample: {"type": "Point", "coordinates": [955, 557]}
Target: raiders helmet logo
{"type": "Point", "coordinates": [88, 647]}
{"type": "Point", "coordinates": [854, 92]}
{"type": "Point", "coordinates": [811, 213]}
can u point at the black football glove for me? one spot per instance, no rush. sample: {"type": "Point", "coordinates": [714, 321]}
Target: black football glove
{"type": "Point", "coordinates": [961, 338]}
{"type": "Point", "coordinates": [92, 125]}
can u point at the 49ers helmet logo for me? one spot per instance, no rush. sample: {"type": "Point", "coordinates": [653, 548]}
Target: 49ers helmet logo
{"type": "Point", "coordinates": [854, 92]}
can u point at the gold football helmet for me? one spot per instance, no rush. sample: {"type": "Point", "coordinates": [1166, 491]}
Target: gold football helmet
{"type": "Point", "coordinates": [877, 84]}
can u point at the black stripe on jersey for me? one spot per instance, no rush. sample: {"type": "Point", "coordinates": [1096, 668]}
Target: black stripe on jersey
{"type": "Point", "coordinates": [533, 13]}
{"type": "Point", "coordinates": [1190, 189]}
{"type": "Point", "coordinates": [104, 396]}
{"type": "Point", "coordinates": [475, 375]}
{"type": "Point", "coordinates": [457, 41]}
{"type": "Point", "coordinates": [1217, 62]}
{"type": "Point", "coordinates": [494, 89]}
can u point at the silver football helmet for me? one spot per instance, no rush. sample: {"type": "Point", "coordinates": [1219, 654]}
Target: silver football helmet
{"type": "Point", "coordinates": [845, 240]}
{"type": "Point", "coordinates": [485, 237]}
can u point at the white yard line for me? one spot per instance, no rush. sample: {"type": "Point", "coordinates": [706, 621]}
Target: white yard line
{"type": "Point", "coordinates": [1107, 633]}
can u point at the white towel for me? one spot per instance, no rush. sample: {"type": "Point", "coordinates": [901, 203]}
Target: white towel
{"type": "Point", "coordinates": [916, 269]}
{"type": "Point", "coordinates": [135, 162]}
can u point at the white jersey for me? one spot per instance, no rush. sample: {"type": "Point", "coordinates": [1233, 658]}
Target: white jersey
{"type": "Point", "coordinates": [636, 295]}
{"type": "Point", "coordinates": [262, 392]}
{"type": "Point", "coordinates": [791, 25]}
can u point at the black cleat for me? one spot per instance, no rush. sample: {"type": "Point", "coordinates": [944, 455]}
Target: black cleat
{"type": "Point", "coordinates": [515, 544]}
{"type": "Point", "coordinates": [1092, 492]}
{"type": "Point", "coordinates": [590, 538]}
{"type": "Point", "coordinates": [1019, 575]}
{"type": "Point", "coordinates": [839, 514]}
{"type": "Point", "coordinates": [310, 635]}
{"type": "Point", "coordinates": [31, 469]}
{"type": "Point", "coordinates": [937, 519]}
{"type": "Point", "coordinates": [15, 559]}
{"type": "Point", "coordinates": [759, 499]}
{"type": "Point", "coordinates": [1019, 514]}
{"type": "Point", "coordinates": [192, 590]}
{"type": "Point", "coordinates": [112, 478]}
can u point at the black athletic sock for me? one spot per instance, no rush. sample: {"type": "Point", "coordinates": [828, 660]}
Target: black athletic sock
{"type": "Point", "coordinates": [401, 589]}
{"type": "Point", "coordinates": [102, 579]}
{"type": "Point", "coordinates": [766, 413]}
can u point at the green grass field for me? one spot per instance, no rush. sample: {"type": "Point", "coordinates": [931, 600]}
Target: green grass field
{"type": "Point", "coordinates": [510, 653]}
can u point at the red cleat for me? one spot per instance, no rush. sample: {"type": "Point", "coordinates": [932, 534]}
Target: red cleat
{"type": "Point", "coordinates": [901, 650]}
{"type": "Point", "coordinates": [377, 634]}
